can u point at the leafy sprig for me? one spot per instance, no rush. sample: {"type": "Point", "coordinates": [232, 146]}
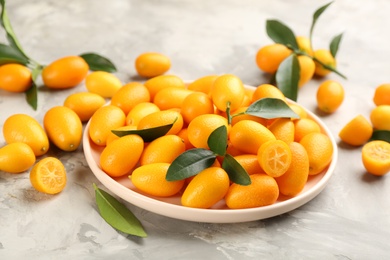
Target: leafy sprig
{"type": "Point", "coordinates": [14, 53]}
{"type": "Point", "coordinates": [281, 33]}
{"type": "Point", "coordinates": [287, 75]}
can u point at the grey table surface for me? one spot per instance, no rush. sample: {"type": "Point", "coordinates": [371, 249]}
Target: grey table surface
{"type": "Point", "coordinates": [349, 219]}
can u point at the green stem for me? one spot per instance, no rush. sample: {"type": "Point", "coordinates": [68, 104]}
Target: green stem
{"type": "Point", "coordinates": [238, 114]}
{"type": "Point", "coordinates": [299, 52]}
{"type": "Point", "coordinates": [292, 48]}
{"type": "Point", "coordinates": [329, 68]}
{"type": "Point", "coordinates": [32, 64]}
{"type": "Point", "coordinates": [229, 117]}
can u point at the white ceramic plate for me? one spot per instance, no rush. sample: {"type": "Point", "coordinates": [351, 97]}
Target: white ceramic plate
{"type": "Point", "coordinates": [219, 213]}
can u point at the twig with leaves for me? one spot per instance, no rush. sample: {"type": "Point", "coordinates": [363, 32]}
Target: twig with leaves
{"type": "Point", "coordinates": [14, 53]}
{"type": "Point", "coordinates": [287, 75]}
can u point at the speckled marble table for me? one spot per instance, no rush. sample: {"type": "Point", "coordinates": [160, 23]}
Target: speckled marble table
{"type": "Point", "coordinates": [349, 219]}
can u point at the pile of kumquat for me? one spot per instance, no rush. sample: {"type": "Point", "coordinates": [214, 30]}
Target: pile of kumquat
{"type": "Point", "coordinates": [276, 154]}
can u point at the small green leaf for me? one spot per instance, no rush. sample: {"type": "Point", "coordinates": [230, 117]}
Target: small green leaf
{"type": "Point", "coordinates": [228, 113]}
{"type": "Point", "coordinates": [98, 62]}
{"type": "Point", "coordinates": [236, 172]}
{"type": "Point", "coordinates": [190, 163]}
{"type": "Point", "coordinates": [281, 33]}
{"type": "Point", "coordinates": [334, 44]}
{"type": "Point", "coordinates": [148, 134]}
{"type": "Point", "coordinates": [117, 215]}
{"type": "Point", "coordinates": [32, 93]}
{"type": "Point", "coordinates": [32, 96]}
{"type": "Point", "coordinates": [271, 108]}
{"type": "Point", "coordinates": [316, 15]}
{"type": "Point", "coordinates": [383, 135]}
{"type": "Point", "coordinates": [6, 24]}
{"type": "Point", "coordinates": [287, 77]}
{"type": "Point", "coordinates": [217, 140]}
{"type": "Point", "coordinates": [11, 55]}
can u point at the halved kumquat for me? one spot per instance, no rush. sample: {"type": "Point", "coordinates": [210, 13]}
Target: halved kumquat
{"type": "Point", "coordinates": [48, 176]}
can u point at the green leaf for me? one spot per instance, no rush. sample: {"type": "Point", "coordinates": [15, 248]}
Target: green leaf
{"type": "Point", "coordinates": [32, 93]}
{"type": "Point", "coordinates": [98, 62]}
{"type": "Point", "coordinates": [334, 44]}
{"type": "Point", "coordinates": [117, 215]}
{"type": "Point", "coordinates": [316, 15]}
{"type": "Point", "coordinates": [383, 135]}
{"type": "Point", "coordinates": [11, 55]}
{"type": "Point", "coordinates": [217, 140]}
{"type": "Point", "coordinates": [287, 77]}
{"type": "Point", "coordinates": [148, 134]}
{"type": "Point", "coordinates": [236, 172]}
{"type": "Point", "coordinates": [190, 163]}
{"type": "Point", "coordinates": [32, 96]}
{"type": "Point", "coordinates": [282, 34]}
{"type": "Point", "coordinates": [270, 108]}
{"type": "Point", "coordinates": [6, 24]}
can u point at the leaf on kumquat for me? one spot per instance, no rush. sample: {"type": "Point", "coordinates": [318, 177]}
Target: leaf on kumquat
{"type": "Point", "coordinates": [236, 172]}
{"type": "Point", "coordinates": [281, 33]}
{"type": "Point", "coordinates": [190, 163]}
{"type": "Point", "coordinates": [97, 62]}
{"type": "Point", "coordinates": [217, 140]}
{"type": "Point", "coordinates": [287, 77]}
{"type": "Point", "coordinates": [271, 108]}
{"type": "Point", "coordinates": [148, 134]}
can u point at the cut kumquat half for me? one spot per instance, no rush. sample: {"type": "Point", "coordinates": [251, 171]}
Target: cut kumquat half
{"type": "Point", "coordinates": [48, 176]}
{"type": "Point", "coordinates": [274, 157]}
{"type": "Point", "coordinates": [376, 157]}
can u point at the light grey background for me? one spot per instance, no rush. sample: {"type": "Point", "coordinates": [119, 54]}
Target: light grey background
{"type": "Point", "coordinates": [350, 219]}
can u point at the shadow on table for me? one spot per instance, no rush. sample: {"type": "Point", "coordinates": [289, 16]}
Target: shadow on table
{"type": "Point", "coordinates": [370, 178]}
{"type": "Point", "coordinates": [346, 146]}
